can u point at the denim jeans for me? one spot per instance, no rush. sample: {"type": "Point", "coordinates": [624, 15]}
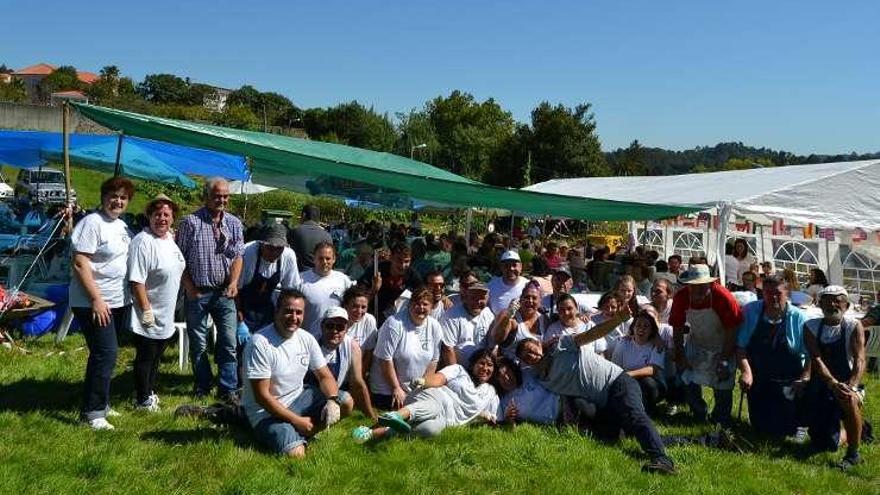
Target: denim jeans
{"type": "Point", "coordinates": [103, 347]}
{"type": "Point", "coordinates": [627, 410]}
{"type": "Point", "coordinates": [279, 435]}
{"type": "Point", "coordinates": [222, 311]}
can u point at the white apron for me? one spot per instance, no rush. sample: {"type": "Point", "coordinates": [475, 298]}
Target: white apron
{"type": "Point", "coordinates": [703, 349]}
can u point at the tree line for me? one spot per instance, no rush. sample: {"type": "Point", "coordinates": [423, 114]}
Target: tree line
{"type": "Point", "coordinates": [457, 132]}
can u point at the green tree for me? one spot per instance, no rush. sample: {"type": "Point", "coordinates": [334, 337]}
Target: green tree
{"type": "Point", "coordinates": [512, 161]}
{"type": "Point", "coordinates": [164, 88]}
{"type": "Point", "coordinates": [563, 143]}
{"type": "Point", "coordinates": [352, 124]}
{"type": "Point", "coordinates": [197, 93]}
{"type": "Point", "coordinates": [632, 163]}
{"type": "Point", "coordinates": [414, 129]}
{"type": "Point", "coordinates": [239, 117]}
{"type": "Point", "coordinates": [470, 133]}
{"type": "Point", "coordinates": [64, 78]}
{"type": "Point", "coordinates": [13, 91]}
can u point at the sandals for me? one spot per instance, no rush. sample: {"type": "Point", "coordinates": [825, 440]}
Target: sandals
{"type": "Point", "coordinates": [395, 422]}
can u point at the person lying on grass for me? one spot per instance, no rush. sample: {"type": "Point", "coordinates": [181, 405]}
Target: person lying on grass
{"type": "Point", "coordinates": [524, 399]}
{"type": "Point", "coordinates": [454, 396]}
{"type": "Point", "coordinates": [569, 367]}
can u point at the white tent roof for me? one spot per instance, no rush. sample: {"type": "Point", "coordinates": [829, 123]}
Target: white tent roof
{"type": "Point", "coordinates": [840, 195]}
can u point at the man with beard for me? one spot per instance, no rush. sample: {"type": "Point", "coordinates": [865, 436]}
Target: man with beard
{"type": "Point", "coordinates": [466, 326]}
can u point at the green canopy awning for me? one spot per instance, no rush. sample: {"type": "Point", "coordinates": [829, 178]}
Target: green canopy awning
{"type": "Point", "coordinates": [287, 163]}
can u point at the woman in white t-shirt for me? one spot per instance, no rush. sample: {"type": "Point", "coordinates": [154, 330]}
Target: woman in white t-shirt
{"type": "Point", "coordinates": [155, 265]}
{"type": "Point", "coordinates": [641, 355]}
{"type": "Point", "coordinates": [408, 347]}
{"type": "Point", "coordinates": [454, 396]}
{"type": "Point", "coordinates": [361, 324]}
{"type": "Point", "coordinates": [608, 307]}
{"type": "Point", "coordinates": [570, 323]}
{"type": "Point", "coordinates": [98, 293]}
{"type": "Point", "coordinates": [521, 320]}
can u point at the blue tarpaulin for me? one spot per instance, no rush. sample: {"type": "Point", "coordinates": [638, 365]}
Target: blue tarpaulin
{"type": "Point", "coordinates": [140, 158]}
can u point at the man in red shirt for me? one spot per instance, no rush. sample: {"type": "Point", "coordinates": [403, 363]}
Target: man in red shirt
{"type": "Point", "coordinates": [709, 315]}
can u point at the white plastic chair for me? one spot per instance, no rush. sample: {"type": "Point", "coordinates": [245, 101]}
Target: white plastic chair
{"type": "Point", "coordinates": [183, 341]}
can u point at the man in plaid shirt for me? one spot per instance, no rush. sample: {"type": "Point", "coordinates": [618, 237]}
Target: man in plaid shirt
{"type": "Point", "coordinates": [211, 240]}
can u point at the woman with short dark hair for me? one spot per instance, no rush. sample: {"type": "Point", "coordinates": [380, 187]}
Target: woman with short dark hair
{"type": "Point", "coordinates": [99, 296]}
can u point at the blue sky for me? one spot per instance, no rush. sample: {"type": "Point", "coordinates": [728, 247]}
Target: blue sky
{"type": "Point", "coordinates": [803, 76]}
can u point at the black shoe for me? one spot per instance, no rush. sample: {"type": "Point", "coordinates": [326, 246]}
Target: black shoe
{"type": "Point", "coordinates": [659, 465]}
{"type": "Point", "coordinates": [190, 410]}
{"type": "Point", "coordinates": [201, 394]}
{"type": "Point", "coordinates": [231, 397]}
{"type": "Point", "coordinates": [849, 461]}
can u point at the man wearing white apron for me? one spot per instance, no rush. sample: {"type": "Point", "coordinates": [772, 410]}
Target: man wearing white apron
{"type": "Point", "coordinates": [704, 317]}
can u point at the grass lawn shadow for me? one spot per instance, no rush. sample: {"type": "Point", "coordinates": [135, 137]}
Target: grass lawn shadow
{"type": "Point", "coordinates": [243, 438]}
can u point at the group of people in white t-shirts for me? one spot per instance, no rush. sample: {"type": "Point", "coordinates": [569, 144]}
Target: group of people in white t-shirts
{"type": "Point", "coordinates": [498, 352]}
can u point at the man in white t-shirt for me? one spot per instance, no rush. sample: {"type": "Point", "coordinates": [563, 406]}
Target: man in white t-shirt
{"type": "Point", "coordinates": [323, 287]}
{"type": "Point", "coordinates": [267, 266]}
{"type": "Point", "coordinates": [466, 326]}
{"type": "Point", "coordinates": [562, 284]}
{"type": "Point", "coordinates": [509, 285]}
{"type": "Point", "coordinates": [281, 409]}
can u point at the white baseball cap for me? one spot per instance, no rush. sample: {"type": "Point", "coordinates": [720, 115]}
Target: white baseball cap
{"type": "Point", "coordinates": [833, 290]}
{"type": "Point", "coordinates": [336, 312]}
{"type": "Point", "coordinates": [510, 255]}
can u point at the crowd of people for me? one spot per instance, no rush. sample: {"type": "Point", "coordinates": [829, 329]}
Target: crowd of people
{"type": "Point", "coordinates": [443, 331]}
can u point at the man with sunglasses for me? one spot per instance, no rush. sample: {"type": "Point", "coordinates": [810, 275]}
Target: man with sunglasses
{"type": "Point", "coordinates": [343, 356]}
{"type": "Point", "coordinates": [211, 240]}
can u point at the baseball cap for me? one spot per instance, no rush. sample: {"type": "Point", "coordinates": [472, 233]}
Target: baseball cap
{"type": "Point", "coordinates": [510, 255]}
{"type": "Point", "coordinates": [336, 312]}
{"type": "Point", "coordinates": [478, 286]}
{"type": "Point", "coordinates": [833, 290]}
{"type": "Point", "coordinates": [275, 235]}
{"type": "Point", "coordinates": [562, 270]}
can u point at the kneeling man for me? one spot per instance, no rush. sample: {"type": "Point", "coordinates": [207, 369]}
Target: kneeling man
{"type": "Point", "coordinates": [284, 412]}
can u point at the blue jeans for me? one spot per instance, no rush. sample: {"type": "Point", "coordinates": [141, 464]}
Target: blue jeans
{"type": "Point", "coordinates": [279, 435]}
{"type": "Point", "coordinates": [222, 311]}
{"type": "Point", "coordinates": [103, 348]}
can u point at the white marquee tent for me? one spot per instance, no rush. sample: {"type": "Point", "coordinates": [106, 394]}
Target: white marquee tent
{"type": "Point", "coordinates": [841, 196]}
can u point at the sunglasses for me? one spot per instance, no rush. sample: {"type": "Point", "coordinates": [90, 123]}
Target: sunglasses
{"type": "Point", "coordinates": [336, 327]}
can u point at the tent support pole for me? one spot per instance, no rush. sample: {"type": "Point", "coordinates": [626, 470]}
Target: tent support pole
{"type": "Point", "coordinates": [65, 129]}
{"type": "Point", "coordinates": [761, 232]}
{"type": "Point", "coordinates": [724, 211]}
{"type": "Point", "coordinates": [512, 223]}
{"type": "Point", "coordinates": [118, 166]}
{"type": "Point", "coordinates": [467, 226]}
{"type": "Point", "coordinates": [645, 237]}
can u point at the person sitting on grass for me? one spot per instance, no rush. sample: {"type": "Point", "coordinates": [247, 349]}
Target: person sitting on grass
{"type": "Point", "coordinates": [343, 356]}
{"type": "Point", "coordinates": [638, 354]}
{"type": "Point", "coordinates": [520, 320]}
{"type": "Point", "coordinates": [836, 345]}
{"type": "Point", "coordinates": [454, 396]}
{"type": "Point", "coordinates": [608, 307]}
{"type": "Point", "coordinates": [283, 411]}
{"type": "Point", "coordinates": [408, 347]}
{"type": "Point", "coordinates": [568, 322]}
{"type": "Point", "coordinates": [570, 369]}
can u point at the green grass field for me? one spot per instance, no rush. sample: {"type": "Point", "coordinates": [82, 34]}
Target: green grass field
{"type": "Point", "coordinates": [44, 450]}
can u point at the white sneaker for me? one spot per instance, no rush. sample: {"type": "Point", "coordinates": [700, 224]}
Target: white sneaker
{"type": "Point", "coordinates": [112, 413]}
{"type": "Point", "coordinates": [99, 424]}
{"type": "Point", "coordinates": [800, 437]}
{"type": "Point", "coordinates": [152, 404]}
